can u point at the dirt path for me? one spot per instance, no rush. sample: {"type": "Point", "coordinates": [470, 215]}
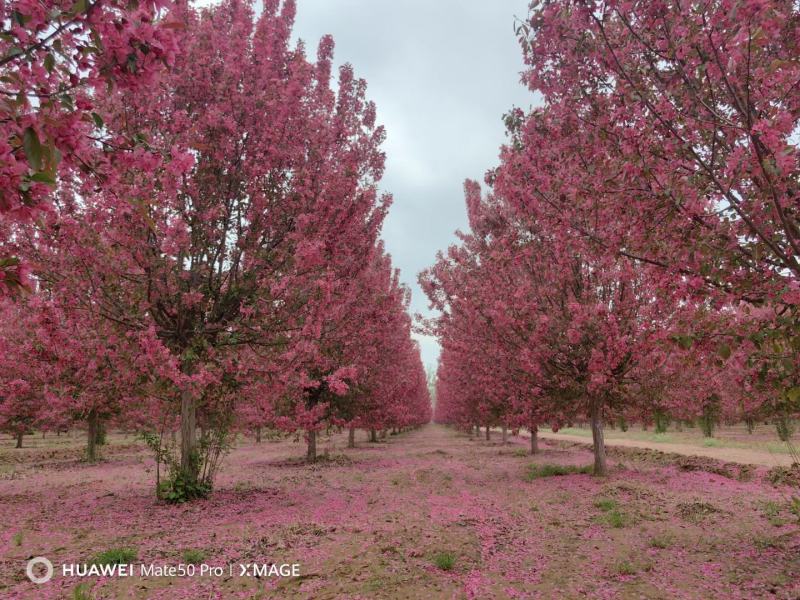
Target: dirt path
{"type": "Point", "coordinates": [743, 456]}
{"type": "Point", "coordinates": [430, 513]}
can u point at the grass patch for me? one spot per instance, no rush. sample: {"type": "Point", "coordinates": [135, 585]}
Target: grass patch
{"type": "Point", "coordinates": [193, 557]}
{"type": "Point", "coordinates": [794, 507]}
{"type": "Point", "coordinates": [763, 542]}
{"type": "Point", "coordinates": [539, 471]}
{"type": "Point", "coordinates": [444, 560]}
{"type": "Point", "coordinates": [777, 447]}
{"type": "Point", "coordinates": [625, 567]}
{"type": "Point", "coordinates": [661, 541]}
{"type": "Point", "coordinates": [115, 556]}
{"type": "Point", "coordinates": [18, 538]}
{"type": "Point", "coordinates": [616, 519]}
{"type": "Point", "coordinates": [644, 436]}
{"type": "Point", "coordinates": [82, 591]}
{"type": "Point", "coordinates": [605, 504]}
{"type": "Point", "coordinates": [774, 447]}
{"type": "Point", "coordinates": [771, 510]}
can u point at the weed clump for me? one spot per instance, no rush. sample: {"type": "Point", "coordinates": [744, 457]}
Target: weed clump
{"type": "Point", "coordinates": [605, 504]}
{"type": "Point", "coordinates": [445, 561]}
{"type": "Point", "coordinates": [193, 557]}
{"type": "Point", "coordinates": [661, 541]}
{"type": "Point", "coordinates": [540, 471]}
{"type": "Point", "coordinates": [115, 556]}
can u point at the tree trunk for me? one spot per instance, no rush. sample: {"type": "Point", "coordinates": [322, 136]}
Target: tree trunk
{"type": "Point", "coordinates": [189, 458]}
{"type": "Point", "coordinates": [100, 433]}
{"type": "Point", "coordinates": [505, 434]}
{"type": "Point", "coordinates": [91, 436]}
{"type": "Point", "coordinates": [258, 435]}
{"type": "Point", "coordinates": [311, 454]}
{"type": "Point", "coordinates": [373, 435]}
{"type": "Point", "coordinates": [384, 432]}
{"type": "Point", "coordinates": [19, 439]}
{"type": "Point", "coordinates": [487, 433]}
{"type": "Point", "coordinates": [351, 438]}
{"type": "Point", "coordinates": [600, 467]}
{"type": "Point", "coordinates": [534, 439]}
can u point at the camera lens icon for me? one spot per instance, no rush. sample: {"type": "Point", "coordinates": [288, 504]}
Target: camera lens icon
{"type": "Point", "coordinates": [48, 570]}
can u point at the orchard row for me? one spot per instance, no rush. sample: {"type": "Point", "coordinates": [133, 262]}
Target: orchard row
{"type": "Point", "coordinates": [191, 227]}
{"type": "Point", "coordinates": [637, 254]}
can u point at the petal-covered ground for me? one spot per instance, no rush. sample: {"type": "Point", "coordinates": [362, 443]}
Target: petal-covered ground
{"type": "Point", "coordinates": [425, 514]}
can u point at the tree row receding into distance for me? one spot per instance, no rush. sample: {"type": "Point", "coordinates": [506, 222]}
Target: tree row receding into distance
{"type": "Point", "coordinates": [191, 226]}
{"type": "Point", "coordinates": [637, 254]}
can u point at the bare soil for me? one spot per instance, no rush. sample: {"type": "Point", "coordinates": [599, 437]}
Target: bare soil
{"type": "Point", "coordinates": [386, 520]}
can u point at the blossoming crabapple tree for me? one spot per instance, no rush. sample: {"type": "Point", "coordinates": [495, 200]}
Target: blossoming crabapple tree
{"type": "Point", "coordinates": [56, 60]}
{"type": "Point", "coordinates": [249, 203]}
{"type": "Point", "coordinates": [695, 105]}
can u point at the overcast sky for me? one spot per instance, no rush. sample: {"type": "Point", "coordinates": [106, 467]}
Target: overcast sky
{"type": "Point", "coordinates": [442, 73]}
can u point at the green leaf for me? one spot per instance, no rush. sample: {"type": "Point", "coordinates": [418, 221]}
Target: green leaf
{"type": "Point", "coordinates": [43, 177]}
{"type": "Point", "coordinates": [79, 7]}
{"type": "Point", "coordinates": [98, 120]}
{"type": "Point", "coordinates": [49, 62]}
{"type": "Point", "coordinates": [19, 18]}
{"type": "Point", "coordinates": [50, 159]}
{"type": "Point", "coordinates": [33, 148]}
{"type": "Point", "coordinates": [793, 394]}
{"type": "Point", "coordinates": [9, 261]}
{"type": "Point", "coordinates": [67, 101]}
{"type": "Point", "coordinates": [724, 351]}
{"type": "Point", "coordinates": [13, 51]}
{"type": "Point", "coordinates": [684, 341]}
